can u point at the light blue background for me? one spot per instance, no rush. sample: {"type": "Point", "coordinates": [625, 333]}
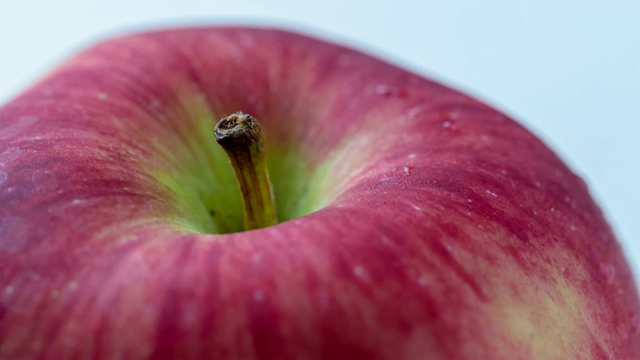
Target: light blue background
{"type": "Point", "coordinates": [569, 70]}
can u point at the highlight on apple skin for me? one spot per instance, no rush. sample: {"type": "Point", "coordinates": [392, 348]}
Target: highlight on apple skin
{"type": "Point", "coordinates": [415, 222]}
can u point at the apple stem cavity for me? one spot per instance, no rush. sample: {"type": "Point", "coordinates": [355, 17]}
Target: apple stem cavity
{"type": "Point", "coordinates": [241, 138]}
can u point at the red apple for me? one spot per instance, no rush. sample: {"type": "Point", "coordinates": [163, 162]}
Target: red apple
{"type": "Point", "coordinates": [416, 222]}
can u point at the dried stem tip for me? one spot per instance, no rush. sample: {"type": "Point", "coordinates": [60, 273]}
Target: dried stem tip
{"type": "Point", "coordinates": [241, 137]}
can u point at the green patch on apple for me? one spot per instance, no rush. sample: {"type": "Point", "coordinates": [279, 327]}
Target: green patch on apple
{"type": "Point", "coordinates": [206, 192]}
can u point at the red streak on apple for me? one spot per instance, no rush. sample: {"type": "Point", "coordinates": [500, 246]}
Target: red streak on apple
{"type": "Point", "coordinates": [449, 231]}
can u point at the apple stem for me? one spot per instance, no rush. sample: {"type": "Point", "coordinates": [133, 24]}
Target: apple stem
{"type": "Point", "coordinates": [241, 137]}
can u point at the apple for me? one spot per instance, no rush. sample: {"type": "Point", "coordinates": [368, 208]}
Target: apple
{"type": "Point", "coordinates": [415, 222]}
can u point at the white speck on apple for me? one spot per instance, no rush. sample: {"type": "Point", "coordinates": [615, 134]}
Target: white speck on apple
{"type": "Point", "coordinates": [3, 176]}
{"type": "Point", "coordinates": [72, 285]}
{"type": "Point", "coordinates": [102, 96]}
{"type": "Point", "coordinates": [8, 291]}
{"type": "Point", "coordinates": [491, 193]}
{"type": "Point", "coordinates": [446, 124]}
{"type": "Point", "coordinates": [44, 180]}
{"type": "Point", "coordinates": [416, 207]}
{"type": "Point", "coordinates": [358, 271]}
{"type": "Point", "coordinates": [423, 281]}
{"type": "Point", "coordinates": [9, 155]}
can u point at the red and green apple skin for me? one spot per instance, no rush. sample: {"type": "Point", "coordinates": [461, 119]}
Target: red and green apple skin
{"type": "Point", "coordinates": [416, 222]}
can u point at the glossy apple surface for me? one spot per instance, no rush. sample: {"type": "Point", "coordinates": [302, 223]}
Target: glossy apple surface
{"type": "Point", "coordinates": [417, 222]}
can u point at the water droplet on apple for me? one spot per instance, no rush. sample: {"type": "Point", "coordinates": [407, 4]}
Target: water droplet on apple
{"type": "Point", "coordinates": [44, 180]}
{"type": "Point", "coordinates": [608, 271]}
{"type": "Point", "coordinates": [406, 170]}
{"type": "Point", "coordinates": [414, 112]}
{"type": "Point", "coordinates": [389, 90]}
{"type": "Point", "coordinates": [416, 207]}
{"type": "Point", "coordinates": [449, 121]}
{"type": "Point", "coordinates": [3, 176]}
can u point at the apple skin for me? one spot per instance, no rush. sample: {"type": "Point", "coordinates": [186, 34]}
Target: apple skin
{"type": "Point", "coordinates": [443, 230]}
